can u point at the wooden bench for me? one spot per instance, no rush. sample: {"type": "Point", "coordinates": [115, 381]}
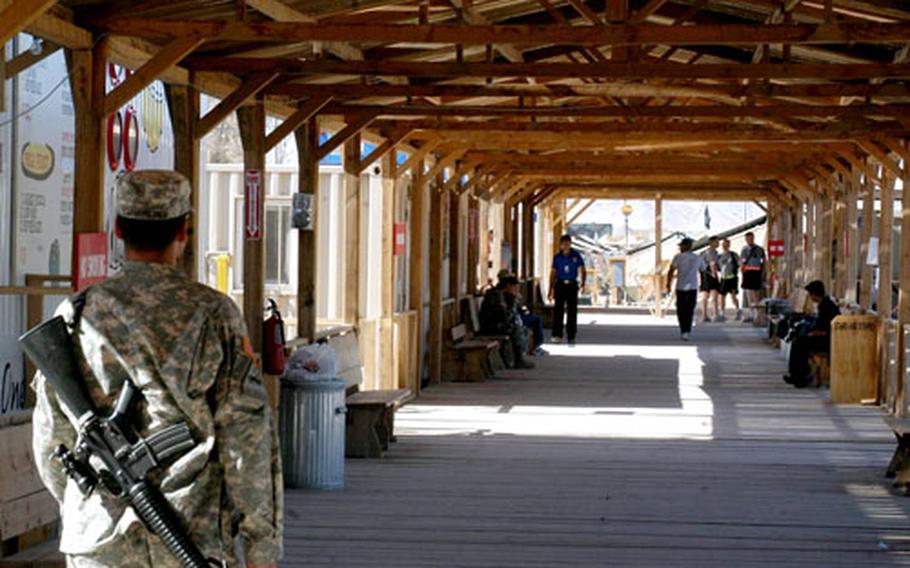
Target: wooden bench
{"type": "Point", "coordinates": [470, 358]}
{"type": "Point", "coordinates": [472, 309]}
{"type": "Point", "coordinates": [899, 467]}
{"type": "Point", "coordinates": [370, 421]}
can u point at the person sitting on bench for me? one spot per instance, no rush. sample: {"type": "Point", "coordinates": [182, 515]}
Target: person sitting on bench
{"type": "Point", "coordinates": [818, 340]}
{"type": "Point", "coordinates": [499, 316]}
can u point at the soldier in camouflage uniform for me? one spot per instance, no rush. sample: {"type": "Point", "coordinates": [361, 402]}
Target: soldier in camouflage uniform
{"type": "Point", "coordinates": [185, 347]}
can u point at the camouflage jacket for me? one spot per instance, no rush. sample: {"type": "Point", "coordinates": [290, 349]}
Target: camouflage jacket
{"type": "Point", "coordinates": [185, 348]}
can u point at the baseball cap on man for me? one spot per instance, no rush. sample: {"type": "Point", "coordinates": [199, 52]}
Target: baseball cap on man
{"type": "Point", "coordinates": [153, 195]}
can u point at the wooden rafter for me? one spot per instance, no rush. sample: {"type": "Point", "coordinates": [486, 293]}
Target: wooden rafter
{"type": "Point", "coordinates": [16, 15]}
{"type": "Point", "coordinates": [610, 70]}
{"type": "Point", "coordinates": [352, 128]}
{"type": "Point", "coordinates": [617, 34]}
{"type": "Point", "coordinates": [168, 56]}
{"type": "Point", "coordinates": [232, 102]}
{"type": "Point", "coordinates": [307, 110]}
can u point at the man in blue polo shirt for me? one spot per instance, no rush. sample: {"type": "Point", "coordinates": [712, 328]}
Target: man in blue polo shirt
{"type": "Point", "coordinates": [568, 264]}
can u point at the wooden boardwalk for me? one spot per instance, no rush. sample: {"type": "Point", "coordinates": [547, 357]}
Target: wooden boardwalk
{"type": "Point", "coordinates": [630, 449]}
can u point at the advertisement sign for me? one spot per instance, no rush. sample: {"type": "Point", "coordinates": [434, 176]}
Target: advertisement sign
{"type": "Point", "coordinates": [400, 239]}
{"type": "Point", "coordinates": [12, 379]}
{"type": "Point", "coordinates": [775, 248]}
{"type": "Point", "coordinates": [252, 205]}
{"type": "Point", "coordinates": [44, 169]}
{"type": "Point", "coordinates": [91, 259]}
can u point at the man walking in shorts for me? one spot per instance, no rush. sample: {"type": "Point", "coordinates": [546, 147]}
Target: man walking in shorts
{"type": "Point", "coordinates": [728, 264]}
{"type": "Point", "coordinates": [710, 281]}
{"type": "Point", "coordinates": [752, 260]}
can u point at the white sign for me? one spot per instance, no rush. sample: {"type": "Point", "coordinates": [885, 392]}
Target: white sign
{"type": "Point", "coordinates": [872, 256]}
{"type": "Point", "coordinates": [44, 169]}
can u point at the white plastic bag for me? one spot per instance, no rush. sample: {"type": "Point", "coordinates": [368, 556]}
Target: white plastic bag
{"type": "Point", "coordinates": [317, 361]}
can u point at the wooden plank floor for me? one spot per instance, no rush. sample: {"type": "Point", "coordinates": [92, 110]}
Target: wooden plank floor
{"type": "Point", "coordinates": [630, 449]}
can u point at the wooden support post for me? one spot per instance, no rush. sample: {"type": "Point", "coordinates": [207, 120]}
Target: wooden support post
{"type": "Point", "coordinates": [307, 137]}
{"type": "Point", "coordinates": [183, 105]}
{"type": "Point", "coordinates": [476, 239]}
{"type": "Point", "coordinates": [416, 260]}
{"type": "Point", "coordinates": [825, 254]}
{"type": "Point", "coordinates": [87, 72]}
{"type": "Point", "coordinates": [868, 220]}
{"type": "Point", "coordinates": [851, 235]}
{"type": "Point", "coordinates": [903, 303]}
{"type": "Point", "coordinates": [515, 237]}
{"type": "Point", "coordinates": [456, 229]}
{"type": "Point", "coordinates": [353, 201]}
{"type": "Point", "coordinates": [251, 120]}
{"type": "Point", "coordinates": [839, 247]}
{"type": "Point", "coordinates": [387, 330]}
{"type": "Point", "coordinates": [437, 232]}
{"type": "Point", "coordinates": [885, 240]}
{"type": "Point", "coordinates": [658, 255]}
{"type": "Point", "coordinates": [812, 220]}
{"type": "Point", "coordinates": [527, 237]}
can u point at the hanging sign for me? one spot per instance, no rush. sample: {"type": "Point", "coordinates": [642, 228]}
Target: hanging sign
{"type": "Point", "coordinates": [776, 248]}
{"type": "Point", "coordinates": [253, 204]}
{"type": "Point", "coordinates": [91, 259]}
{"type": "Point", "coordinates": [400, 239]}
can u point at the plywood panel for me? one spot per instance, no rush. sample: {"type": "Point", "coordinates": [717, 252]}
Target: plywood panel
{"type": "Point", "coordinates": [854, 359]}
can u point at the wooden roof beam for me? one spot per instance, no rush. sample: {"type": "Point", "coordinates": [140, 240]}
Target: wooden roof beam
{"type": "Point", "coordinates": [166, 57]}
{"type": "Point", "coordinates": [674, 111]}
{"type": "Point", "coordinates": [417, 156]}
{"type": "Point", "coordinates": [608, 70]}
{"type": "Point", "coordinates": [305, 112]}
{"type": "Point", "coordinates": [281, 12]}
{"type": "Point", "coordinates": [617, 34]}
{"type": "Point", "coordinates": [16, 15]}
{"type": "Point", "coordinates": [351, 129]}
{"type": "Point", "coordinates": [444, 163]}
{"type": "Point", "coordinates": [233, 101]}
{"type": "Point", "coordinates": [388, 145]}
{"type": "Point", "coordinates": [882, 156]}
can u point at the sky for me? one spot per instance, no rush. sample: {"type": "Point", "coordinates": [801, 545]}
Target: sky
{"type": "Point", "coordinates": [683, 216]}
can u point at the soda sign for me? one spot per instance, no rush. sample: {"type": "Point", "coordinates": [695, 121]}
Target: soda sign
{"type": "Point", "coordinates": [91, 259]}
{"type": "Point", "coordinates": [776, 248]}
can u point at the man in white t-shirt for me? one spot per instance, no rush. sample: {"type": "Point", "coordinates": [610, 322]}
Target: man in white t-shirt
{"type": "Point", "coordinates": [686, 267]}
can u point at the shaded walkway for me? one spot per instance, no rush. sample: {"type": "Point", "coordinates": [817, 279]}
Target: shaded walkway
{"type": "Point", "coordinates": [630, 449]}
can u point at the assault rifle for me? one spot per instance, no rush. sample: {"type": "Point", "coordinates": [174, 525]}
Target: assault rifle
{"type": "Point", "coordinates": [127, 457]}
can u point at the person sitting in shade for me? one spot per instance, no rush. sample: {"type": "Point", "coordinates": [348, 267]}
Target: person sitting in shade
{"type": "Point", "coordinates": [499, 316]}
{"type": "Point", "coordinates": [818, 340]}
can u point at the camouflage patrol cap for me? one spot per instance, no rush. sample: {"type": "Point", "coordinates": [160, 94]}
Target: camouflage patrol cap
{"type": "Point", "coordinates": [153, 195]}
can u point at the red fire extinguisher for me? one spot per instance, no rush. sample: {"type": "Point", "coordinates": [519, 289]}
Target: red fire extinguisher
{"type": "Point", "coordinates": [273, 341]}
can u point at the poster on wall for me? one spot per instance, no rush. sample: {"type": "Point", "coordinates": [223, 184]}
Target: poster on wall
{"type": "Point", "coordinates": [43, 169]}
{"type": "Point", "coordinates": [144, 141]}
{"type": "Point", "coordinates": [12, 383]}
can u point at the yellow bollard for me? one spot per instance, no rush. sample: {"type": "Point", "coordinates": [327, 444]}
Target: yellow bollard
{"type": "Point", "coordinates": [222, 266]}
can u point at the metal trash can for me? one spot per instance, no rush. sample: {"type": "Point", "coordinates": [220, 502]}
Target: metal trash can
{"type": "Point", "coordinates": [312, 418]}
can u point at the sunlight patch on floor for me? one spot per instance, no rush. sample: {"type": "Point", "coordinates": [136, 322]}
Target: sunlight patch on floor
{"type": "Point", "coordinates": [693, 420]}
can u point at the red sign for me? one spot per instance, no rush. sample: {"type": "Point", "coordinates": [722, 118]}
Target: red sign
{"type": "Point", "coordinates": [776, 248]}
{"type": "Point", "coordinates": [91, 259]}
{"type": "Point", "coordinates": [400, 239]}
{"type": "Point", "coordinates": [252, 218]}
